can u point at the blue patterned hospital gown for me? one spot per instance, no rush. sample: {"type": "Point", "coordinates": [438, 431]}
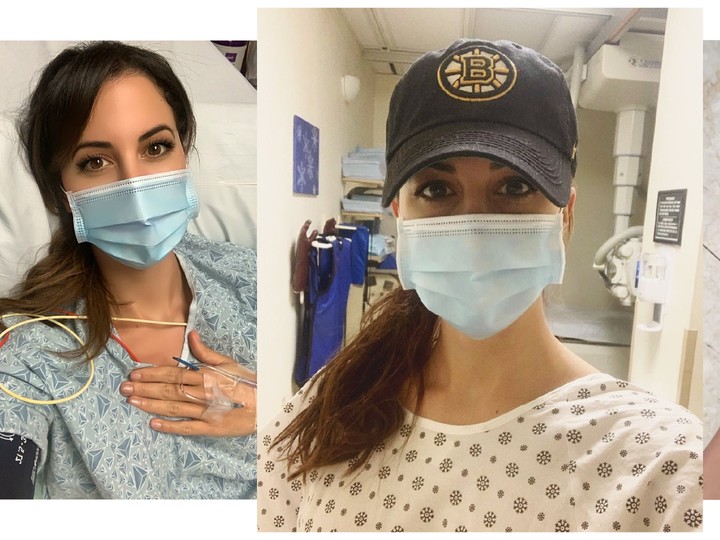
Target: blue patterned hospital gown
{"type": "Point", "coordinates": [98, 446]}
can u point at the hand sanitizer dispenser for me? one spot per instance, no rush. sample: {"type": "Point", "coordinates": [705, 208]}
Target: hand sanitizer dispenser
{"type": "Point", "coordinates": [652, 277]}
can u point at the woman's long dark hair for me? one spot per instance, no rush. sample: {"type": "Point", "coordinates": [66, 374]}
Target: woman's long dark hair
{"type": "Point", "coordinates": [50, 125]}
{"type": "Point", "coordinates": [358, 400]}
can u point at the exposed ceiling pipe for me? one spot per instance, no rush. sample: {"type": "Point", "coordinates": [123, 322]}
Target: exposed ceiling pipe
{"type": "Point", "coordinates": [379, 28]}
{"type": "Point", "coordinates": [613, 30]}
{"type": "Point", "coordinates": [629, 158]}
{"type": "Point", "coordinates": [468, 23]}
{"type": "Point", "coordinates": [577, 77]}
{"type": "Point", "coordinates": [397, 57]}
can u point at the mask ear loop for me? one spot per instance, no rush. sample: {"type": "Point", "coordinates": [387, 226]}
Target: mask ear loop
{"type": "Point", "coordinates": [436, 333]}
{"type": "Point", "coordinates": [567, 227]}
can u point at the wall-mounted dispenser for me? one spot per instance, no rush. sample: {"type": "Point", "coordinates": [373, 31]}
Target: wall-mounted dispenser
{"type": "Point", "coordinates": [651, 285]}
{"type": "Point", "coordinates": [616, 261]}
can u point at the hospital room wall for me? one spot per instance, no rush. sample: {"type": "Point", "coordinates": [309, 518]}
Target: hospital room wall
{"type": "Point", "coordinates": [301, 59]}
{"type": "Point", "coordinates": [657, 358]}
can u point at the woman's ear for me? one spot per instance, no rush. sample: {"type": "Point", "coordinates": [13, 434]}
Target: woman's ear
{"type": "Point", "coordinates": [64, 200]}
{"type": "Point", "coordinates": [395, 207]}
{"type": "Point", "coordinates": [62, 197]}
{"type": "Point", "coordinates": [569, 210]}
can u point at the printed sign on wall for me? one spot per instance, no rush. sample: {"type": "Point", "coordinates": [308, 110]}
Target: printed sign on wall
{"type": "Point", "coordinates": [669, 216]}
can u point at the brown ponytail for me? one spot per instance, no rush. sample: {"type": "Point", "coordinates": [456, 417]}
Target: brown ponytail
{"type": "Point", "coordinates": [68, 272]}
{"type": "Point", "coordinates": [358, 399]}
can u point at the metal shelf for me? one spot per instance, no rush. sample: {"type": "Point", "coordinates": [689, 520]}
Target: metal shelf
{"type": "Point", "coordinates": [368, 182]}
{"type": "Point", "coordinates": [363, 215]}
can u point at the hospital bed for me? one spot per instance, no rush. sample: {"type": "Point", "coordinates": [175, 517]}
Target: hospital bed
{"type": "Point", "coordinates": [224, 166]}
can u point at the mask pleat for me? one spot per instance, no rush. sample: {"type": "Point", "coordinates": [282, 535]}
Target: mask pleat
{"type": "Point", "coordinates": [136, 221]}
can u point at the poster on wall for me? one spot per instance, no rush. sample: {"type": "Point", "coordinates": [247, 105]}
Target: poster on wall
{"type": "Point", "coordinates": [306, 155]}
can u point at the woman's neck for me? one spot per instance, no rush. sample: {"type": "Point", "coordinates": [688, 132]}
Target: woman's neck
{"type": "Point", "coordinates": [158, 293]}
{"type": "Point", "coordinates": [471, 381]}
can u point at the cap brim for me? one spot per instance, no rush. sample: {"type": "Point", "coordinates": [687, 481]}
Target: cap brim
{"type": "Point", "coordinates": [538, 160]}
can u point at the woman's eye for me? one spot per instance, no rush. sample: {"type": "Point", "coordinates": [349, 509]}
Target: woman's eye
{"type": "Point", "coordinates": [93, 163]}
{"type": "Point", "coordinates": [158, 148]}
{"type": "Point", "coordinates": [516, 187]}
{"type": "Point", "coordinates": [434, 190]}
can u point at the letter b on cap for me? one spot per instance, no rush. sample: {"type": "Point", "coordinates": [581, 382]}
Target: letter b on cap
{"type": "Point", "coordinates": [477, 73]}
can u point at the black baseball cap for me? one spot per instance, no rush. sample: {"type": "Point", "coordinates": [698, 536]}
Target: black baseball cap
{"type": "Point", "coordinates": [497, 100]}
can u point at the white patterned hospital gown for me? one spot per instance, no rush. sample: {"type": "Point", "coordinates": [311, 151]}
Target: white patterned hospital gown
{"type": "Point", "coordinates": [97, 445]}
{"type": "Point", "coordinates": [597, 454]}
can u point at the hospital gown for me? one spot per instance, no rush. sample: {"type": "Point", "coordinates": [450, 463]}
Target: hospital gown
{"type": "Point", "coordinates": [97, 445]}
{"type": "Point", "coordinates": [597, 454]}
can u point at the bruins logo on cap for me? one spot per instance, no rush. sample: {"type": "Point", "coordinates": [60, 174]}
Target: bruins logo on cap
{"type": "Point", "coordinates": [478, 73]}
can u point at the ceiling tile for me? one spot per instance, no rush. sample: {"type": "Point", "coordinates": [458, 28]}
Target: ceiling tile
{"type": "Point", "coordinates": [363, 25]}
{"type": "Point", "coordinates": [421, 29]}
{"type": "Point", "coordinates": [527, 28]}
{"type": "Point", "coordinates": [567, 33]}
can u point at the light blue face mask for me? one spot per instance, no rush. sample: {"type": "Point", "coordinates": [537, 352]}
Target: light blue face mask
{"type": "Point", "coordinates": [137, 221]}
{"type": "Point", "coordinates": [480, 272]}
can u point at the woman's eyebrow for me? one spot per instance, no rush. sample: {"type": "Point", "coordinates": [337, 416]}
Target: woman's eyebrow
{"type": "Point", "coordinates": [442, 166]}
{"type": "Point", "coordinates": [495, 165]}
{"type": "Point", "coordinates": [149, 133]}
{"type": "Point", "coordinates": [94, 144]}
{"type": "Point", "coordinates": [106, 144]}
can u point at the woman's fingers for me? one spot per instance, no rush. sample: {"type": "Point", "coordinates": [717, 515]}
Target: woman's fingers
{"type": "Point", "coordinates": [174, 409]}
{"type": "Point", "coordinates": [166, 374]}
{"type": "Point", "coordinates": [179, 384]}
{"type": "Point", "coordinates": [234, 423]}
{"type": "Point", "coordinates": [164, 391]}
{"type": "Point", "coordinates": [165, 383]}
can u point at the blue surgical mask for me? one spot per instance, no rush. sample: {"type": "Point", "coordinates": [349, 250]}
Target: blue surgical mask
{"type": "Point", "coordinates": [137, 221]}
{"type": "Point", "coordinates": [480, 272]}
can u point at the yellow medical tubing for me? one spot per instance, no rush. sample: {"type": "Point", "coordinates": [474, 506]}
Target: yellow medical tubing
{"type": "Point", "coordinates": [54, 319]}
{"type": "Point", "coordinates": [51, 318]}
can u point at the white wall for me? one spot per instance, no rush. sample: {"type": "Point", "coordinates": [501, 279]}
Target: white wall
{"type": "Point", "coordinates": [301, 58]}
{"type": "Point", "coordinates": [677, 163]}
{"type": "Point", "coordinates": [384, 86]}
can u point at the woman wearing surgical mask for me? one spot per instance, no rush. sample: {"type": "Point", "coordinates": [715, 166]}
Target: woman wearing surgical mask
{"type": "Point", "coordinates": [106, 133]}
{"type": "Point", "coordinates": [456, 408]}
